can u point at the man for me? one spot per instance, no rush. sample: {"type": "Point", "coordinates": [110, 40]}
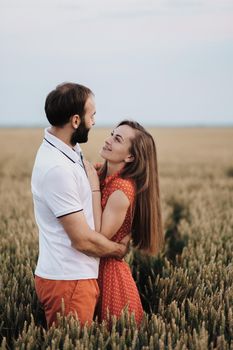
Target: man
{"type": "Point", "coordinates": [69, 247]}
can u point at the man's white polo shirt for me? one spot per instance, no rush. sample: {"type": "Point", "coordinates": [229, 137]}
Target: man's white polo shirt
{"type": "Point", "coordinates": [60, 187]}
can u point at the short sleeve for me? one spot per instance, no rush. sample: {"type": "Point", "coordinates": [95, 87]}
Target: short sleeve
{"type": "Point", "coordinates": [125, 185]}
{"type": "Point", "coordinates": [60, 191]}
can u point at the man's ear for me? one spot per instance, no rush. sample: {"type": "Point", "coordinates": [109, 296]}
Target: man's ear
{"type": "Point", "coordinates": [129, 158]}
{"type": "Point", "coordinates": [75, 121]}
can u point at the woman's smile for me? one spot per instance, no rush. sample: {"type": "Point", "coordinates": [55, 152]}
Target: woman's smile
{"type": "Point", "coordinates": [106, 148]}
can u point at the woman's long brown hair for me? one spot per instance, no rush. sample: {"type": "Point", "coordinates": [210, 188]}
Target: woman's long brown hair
{"type": "Point", "coordinates": [147, 231]}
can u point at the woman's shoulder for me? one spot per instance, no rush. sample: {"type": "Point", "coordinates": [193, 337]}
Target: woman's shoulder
{"type": "Point", "coordinates": [128, 186]}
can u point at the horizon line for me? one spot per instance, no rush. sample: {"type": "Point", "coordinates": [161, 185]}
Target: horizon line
{"type": "Point", "coordinates": [158, 125]}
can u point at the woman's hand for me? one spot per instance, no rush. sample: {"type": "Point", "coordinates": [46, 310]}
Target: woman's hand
{"type": "Point", "coordinates": [96, 195]}
{"type": "Point", "coordinates": [98, 166]}
{"type": "Point", "coordinates": [92, 176]}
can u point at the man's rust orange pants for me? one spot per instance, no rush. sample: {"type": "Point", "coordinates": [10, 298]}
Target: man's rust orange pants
{"type": "Point", "coordinates": [79, 297]}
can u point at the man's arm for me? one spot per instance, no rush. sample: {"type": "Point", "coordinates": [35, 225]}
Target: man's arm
{"type": "Point", "coordinates": [62, 198]}
{"type": "Point", "coordinates": [88, 241]}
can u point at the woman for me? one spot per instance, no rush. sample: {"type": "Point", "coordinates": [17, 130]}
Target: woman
{"type": "Point", "coordinates": [129, 203]}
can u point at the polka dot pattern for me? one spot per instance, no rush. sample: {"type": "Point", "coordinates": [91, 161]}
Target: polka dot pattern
{"type": "Point", "coordinates": [117, 287]}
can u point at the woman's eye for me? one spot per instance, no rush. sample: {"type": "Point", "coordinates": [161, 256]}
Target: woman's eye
{"type": "Point", "coordinates": [115, 137]}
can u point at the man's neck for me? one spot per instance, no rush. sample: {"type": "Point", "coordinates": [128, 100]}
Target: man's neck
{"type": "Point", "coordinates": [62, 134]}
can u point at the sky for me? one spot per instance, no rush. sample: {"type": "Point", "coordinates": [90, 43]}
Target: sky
{"type": "Point", "coordinates": [160, 62]}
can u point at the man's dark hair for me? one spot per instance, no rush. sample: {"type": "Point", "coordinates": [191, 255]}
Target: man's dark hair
{"type": "Point", "coordinates": [66, 100]}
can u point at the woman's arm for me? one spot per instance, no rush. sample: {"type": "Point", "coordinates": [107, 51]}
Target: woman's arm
{"type": "Point", "coordinates": [108, 222]}
{"type": "Point", "coordinates": [96, 195]}
{"type": "Point", "coordinates": [97, 210]}
{"type": "Point", "coordinates": [114, 213]}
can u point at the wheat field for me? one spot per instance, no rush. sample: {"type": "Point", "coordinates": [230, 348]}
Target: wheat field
{"type": "Point", "coordinates": [187, 291]}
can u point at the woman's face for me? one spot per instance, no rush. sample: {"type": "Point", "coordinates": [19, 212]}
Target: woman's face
{"type": "Point", "coordinates": [117, 145]}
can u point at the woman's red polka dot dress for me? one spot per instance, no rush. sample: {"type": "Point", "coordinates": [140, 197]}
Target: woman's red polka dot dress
{"type": "Point", "coordinates": [117, 287]}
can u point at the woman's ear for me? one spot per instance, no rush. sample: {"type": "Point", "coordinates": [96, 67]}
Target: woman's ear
{"type": "Point", "coordinates": [129, 158]}
{"type": "Point", "coordinates": [75, 121]}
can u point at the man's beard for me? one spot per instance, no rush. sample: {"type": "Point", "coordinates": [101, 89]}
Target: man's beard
{"type": "Point", "coordinates": [80, 135]}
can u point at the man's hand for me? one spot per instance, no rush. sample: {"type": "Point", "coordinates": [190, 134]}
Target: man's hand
{"type": "Point", "coordinates": [125, 242]}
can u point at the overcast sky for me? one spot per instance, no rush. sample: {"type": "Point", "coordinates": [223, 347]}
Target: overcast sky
{"type": "Point", "coordinates": [161, 62]}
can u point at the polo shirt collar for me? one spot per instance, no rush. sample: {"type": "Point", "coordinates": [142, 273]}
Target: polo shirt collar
{"type": "Point", "coordinates": [74, 154]}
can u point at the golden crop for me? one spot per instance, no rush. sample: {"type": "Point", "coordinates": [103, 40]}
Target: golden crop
{"type": "Point", "coordinates": [187, 291]}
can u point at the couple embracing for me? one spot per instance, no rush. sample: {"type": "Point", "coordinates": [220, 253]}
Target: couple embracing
{"type": "Point", "coordinates": [87, 216]}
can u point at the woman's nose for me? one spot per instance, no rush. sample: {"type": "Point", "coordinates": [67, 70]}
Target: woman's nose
{"type": "Point", "coordinates": [108, 140]}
